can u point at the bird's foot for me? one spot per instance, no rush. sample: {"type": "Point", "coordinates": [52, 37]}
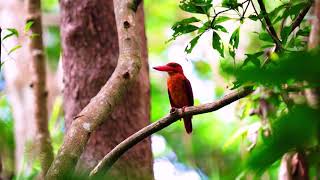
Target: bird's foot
{"type": "Point", "coordinates": [183, 108]}
{"type": "Point", "coordinates": [172, 110]}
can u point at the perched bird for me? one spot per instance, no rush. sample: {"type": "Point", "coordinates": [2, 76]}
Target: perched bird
{"type": "Point", "coordinates": [179, 90]}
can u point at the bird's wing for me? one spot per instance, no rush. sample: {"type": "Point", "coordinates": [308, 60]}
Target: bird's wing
{"type": "Point", "coordinates": [170, 98]}
{"type": "Point", "coordinates": [189, 92]}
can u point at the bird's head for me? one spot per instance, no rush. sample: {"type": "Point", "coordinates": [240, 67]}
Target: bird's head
{"type": "Point", "coordinates": [171, 68]}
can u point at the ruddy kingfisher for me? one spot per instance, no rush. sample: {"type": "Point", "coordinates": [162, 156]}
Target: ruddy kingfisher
{"type": "Point", "coordinates": [179, 90]}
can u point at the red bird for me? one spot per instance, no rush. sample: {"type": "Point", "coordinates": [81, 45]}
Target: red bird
{"type": "Point", "coordinates": [179, 90]}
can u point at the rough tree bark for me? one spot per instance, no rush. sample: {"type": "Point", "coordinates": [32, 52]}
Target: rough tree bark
{"type": "Point", "coordinates": [90, 55]}
{"type": "Point", "coordinates": [40, 94]}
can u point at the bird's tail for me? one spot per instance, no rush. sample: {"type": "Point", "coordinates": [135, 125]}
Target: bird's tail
{"type": "Point", "coordinates": [188, 124]}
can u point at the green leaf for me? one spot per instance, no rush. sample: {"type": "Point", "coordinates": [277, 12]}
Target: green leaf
{"type": "Point", "coordinates": [185, 22]}
{"type": "Point", "coordinates": [12, 32]}
{"type": "Point", "coordinates": [239, 133]}
{"type": "Point", "coordinates": [295, 9]}
{"type": "Point", "coordinates": [28, 26]}
{"type": "Point", "coordinates": [196, 6]}
{"type": "Point", "coordinates": [221, 19]}
{"type": "Point", "coordinates": [14, 49]}
{"type": "Point", "coordinates": [253, 17]}
{"type": "Point", "coordinates": [254, 58]}
{"type": "Point", "coordinates": [265, 37]}
{"type": "Point", "coordinates": [234, 42]}
{"type": "Point", "coordinates": [299, 66]}
{"type": "Point", "coordinates": [203, 69]}
{"type": "Point", "coordinates": [285, 34]}
{"type": "Point", "coordinates": [220, 28]}
{"type": "Point", "coordinates": [236, 84]}
{"type": "Point", "coordinates": [274, 13]}
{"type": "Point", "coordinates": [192, 44]}
{"type": "Point", "coordinates": [184, 26]}
{"type": "Point", "coordinates": [304, 32]}
{"type": "Point", "coordinates": [217, 43]}
{"type": "Point", "coordinates": [205, 27]}
{"type": "Point", "coordinates": [233, 4]}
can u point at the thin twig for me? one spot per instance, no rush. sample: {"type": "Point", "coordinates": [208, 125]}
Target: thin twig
{"type": "Point", "coordinates": [300, 17]}
{"type": "Point", "coordinates": [294, 25]}
{"type": "Point", "coordinates": [245, 10]}
{"type": "Point", "coordinates": [107, 162]}
{"type": "Point", "coordinates": [269, 26]}
{"type": "Point", "coordinates": [226, 10]}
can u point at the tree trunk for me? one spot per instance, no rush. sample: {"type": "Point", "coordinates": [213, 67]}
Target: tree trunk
{"type": "Point", "coordinates": [18, 79]}
{"type": "Point", "coordinates": [40, 93]}
{"type": "Point", "coordinates": [90, 54]}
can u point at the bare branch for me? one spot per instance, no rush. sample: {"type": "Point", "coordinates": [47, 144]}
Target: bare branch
{"type": "Point", "coordinates": [269, 25]}
{"type": "Point", "coordinates": [102, 105]}
{"type": "Point", "coordinates": [38, 66]}
{"type": "Point", "coordinates": [107, 162]}
{"type": "Point", "coordinates": [229, 9]}
{"type": "Point", "coordinates": [296, 22]}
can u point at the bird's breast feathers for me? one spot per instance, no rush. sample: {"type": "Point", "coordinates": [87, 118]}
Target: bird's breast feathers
{"type": "Point", "coordinates": [177, 89]}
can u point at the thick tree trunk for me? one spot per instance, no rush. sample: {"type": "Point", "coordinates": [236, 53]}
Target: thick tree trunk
{"type": "Point", "coordinates": [90, 54]}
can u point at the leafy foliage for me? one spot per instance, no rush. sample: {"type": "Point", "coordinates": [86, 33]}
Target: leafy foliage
{"type": "Point", "coordinates": [277, 117]}
{"type": "Point", "coordinates": [196, 6]}
{"type": "Point", "coordinates": [205, 7]}
{"type": "Point", "coordinates": [234, 42]}
{"type": "Point", "coordinates": [11, 32]}
{"type": "Point", "coordinates": [285, 70]}
{"type": "Point", "coordinates": [288, 134]}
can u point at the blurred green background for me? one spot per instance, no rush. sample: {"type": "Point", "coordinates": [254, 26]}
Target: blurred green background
{"type": "Point", "coordinates": [219, 144]}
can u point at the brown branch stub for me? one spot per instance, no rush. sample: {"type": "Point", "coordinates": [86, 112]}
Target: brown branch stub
{"type": "Point", "coordinates": [135, 4]}
{"type": "Point", "coordinates": [102, 105]}
{"type": "Point", "coordinates": [107, 162]}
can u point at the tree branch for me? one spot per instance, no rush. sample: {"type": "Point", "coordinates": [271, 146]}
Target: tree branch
{"type": "Point", "coordinates": [107, 162]}
{"type": "Point", "coordinates": [269, 27]}
{"type": "Point", "coordinates": [40, 94]}
{"type": "Point", "coordinates": [101, 106]}
{"type": "Point", "coordinates": [296, 22]}
{"type": "Point", "coordinates": [229, 9]}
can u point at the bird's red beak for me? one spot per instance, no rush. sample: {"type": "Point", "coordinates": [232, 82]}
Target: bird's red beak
{"type": "Point", "coordinates": [164, 68]}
